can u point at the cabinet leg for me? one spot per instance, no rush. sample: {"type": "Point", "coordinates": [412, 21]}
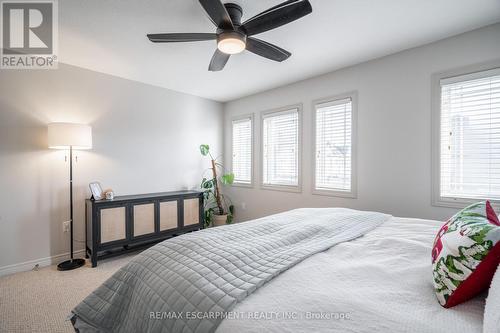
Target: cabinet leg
{"type": "Point", "coordinates": [94, 260]}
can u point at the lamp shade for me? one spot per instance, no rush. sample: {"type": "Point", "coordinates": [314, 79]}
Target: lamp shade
{"type": "Point", "coordinates": [65, 135]}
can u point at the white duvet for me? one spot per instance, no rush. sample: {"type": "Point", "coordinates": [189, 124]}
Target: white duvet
{"type": "Point", "coordinates": [381, 282]}
{"type": "Point", "coordinates": [492, 310]}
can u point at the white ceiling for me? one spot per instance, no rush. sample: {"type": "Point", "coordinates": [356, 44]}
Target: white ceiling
{"type": "Point", "coordinates": [109, 36]}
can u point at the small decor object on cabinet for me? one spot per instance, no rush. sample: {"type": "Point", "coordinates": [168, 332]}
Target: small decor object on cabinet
{"type": "Point", "coordinates": [96, 190]}
{"type": "Point", "coordinates": [218, 208]}
{"type": "Point", "coordinates": [110, 195]}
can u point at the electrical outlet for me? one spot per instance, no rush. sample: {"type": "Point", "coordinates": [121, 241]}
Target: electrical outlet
{"type": "Point", "coordinates": [243, 205]}
{"type": "Point", "coordinates": [66, 226]}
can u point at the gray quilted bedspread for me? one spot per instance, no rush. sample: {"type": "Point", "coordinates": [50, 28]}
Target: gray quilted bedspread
{"type": "Point", "coordinates": [187, 283]}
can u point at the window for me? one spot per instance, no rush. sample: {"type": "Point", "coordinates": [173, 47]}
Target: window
{"type": "Point", "coordinates": [242, 138]}
{"type": "Point", "coordinates": [333, 163]}
{"type": "Point", "coordinates": [281, 149]}
{"type": "Point", "coordinates": [469, 136]}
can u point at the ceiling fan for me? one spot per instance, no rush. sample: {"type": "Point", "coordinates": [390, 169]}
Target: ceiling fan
{"type": "Point", "coordinates": [234, 37]}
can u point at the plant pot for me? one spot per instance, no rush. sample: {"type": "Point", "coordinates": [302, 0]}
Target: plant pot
{"type": "Point", "coordinates": [219, 220]}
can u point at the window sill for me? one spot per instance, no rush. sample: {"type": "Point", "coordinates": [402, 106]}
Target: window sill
{"type": "Point", "coordinates": [244, 185]}
{"type": "Point", "coordinates": [282, 188]}
{"type": "Point", "coordinates": [334, 193]}
{"type": "Point", "coordinates": [450, 202]}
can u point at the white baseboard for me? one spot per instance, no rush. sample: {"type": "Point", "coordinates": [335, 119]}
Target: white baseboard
{"type": "Point", "coordinates": [42, 262]}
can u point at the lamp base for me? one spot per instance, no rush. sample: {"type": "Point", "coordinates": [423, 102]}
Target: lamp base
{"type": "Point", "coordinates": [70, 264]}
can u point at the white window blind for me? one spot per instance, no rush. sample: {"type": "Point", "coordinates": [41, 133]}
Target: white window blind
{"type": "Point", "coordinates": [333, 145]}
{"type": "Point", "coordinates": [470, 136]}
{"type": "Point", "coordinates": [280, 140]}
{"type": "Point", "coordinates": [242, 150]}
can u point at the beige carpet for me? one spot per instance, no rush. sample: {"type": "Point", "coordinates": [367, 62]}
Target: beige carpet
{"type": "Point", "coordinates": [40, 301]}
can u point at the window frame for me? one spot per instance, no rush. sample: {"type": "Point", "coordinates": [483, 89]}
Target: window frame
{"type": "Point", "coordinates": [252, 149]}
{"type": "Point", "coordinates": [472, 72]}
{"type": "Point", "coordinates": [353, 193]}
{"type": "Point", "coordinates": [286, 188]}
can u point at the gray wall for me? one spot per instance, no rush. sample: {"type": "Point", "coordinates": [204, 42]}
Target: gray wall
{"type": "Point", "coordinates": [394, 128]}
{"type": "Point", "coordinates": [145, 140]}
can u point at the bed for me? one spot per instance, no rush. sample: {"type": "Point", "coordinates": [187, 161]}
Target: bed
{"type": "Point", "coordinates": [372, 273]}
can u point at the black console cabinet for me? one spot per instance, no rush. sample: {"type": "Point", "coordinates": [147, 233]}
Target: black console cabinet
{"type": "Point", "coordinates": [129, 222]}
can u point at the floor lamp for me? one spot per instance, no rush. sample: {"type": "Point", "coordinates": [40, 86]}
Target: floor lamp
{"type": "Point", "coordinates": [70, 136]}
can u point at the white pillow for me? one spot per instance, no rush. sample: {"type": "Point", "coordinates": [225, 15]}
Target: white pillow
{"type": "Point", "coordinates": [492, 309]}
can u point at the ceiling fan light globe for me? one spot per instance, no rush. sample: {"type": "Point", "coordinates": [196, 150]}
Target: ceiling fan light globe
{"type": "Point", "coordinates": [231, 42]}
{"type": "Point", "coordinates": [231, 46]}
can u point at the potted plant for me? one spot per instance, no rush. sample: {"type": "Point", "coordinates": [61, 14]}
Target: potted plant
{"type": "Point", "coordinates": [218, 209]}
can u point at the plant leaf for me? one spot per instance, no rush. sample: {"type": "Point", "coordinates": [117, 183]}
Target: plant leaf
{"type": "Point", "coordinates": [208, 184]}
{"type": "Point", "coordinates": [208, 217]}
{"type": "Point", "coordinates": [228, 178]}
{"type": "Point", "coordinates": [231, 209]}
{"type": "Point", "coordinates": [204, 150]}
{"type": "Point", "coordinates": [203, 182]}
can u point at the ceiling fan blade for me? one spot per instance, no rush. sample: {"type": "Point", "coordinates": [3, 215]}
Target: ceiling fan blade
{"type": "Point", "coordinates": [219, 60]}
{"type": "Point", "coordinates": [267, 50]}
{"type": "Point", "coordinates": [217, 13]}
{"type": "Point", "coordinates": [277, 16]}
{"type": "Point", "coordinates": [276, 7]}
{"type": "Point", "coordinates": [181, 37]}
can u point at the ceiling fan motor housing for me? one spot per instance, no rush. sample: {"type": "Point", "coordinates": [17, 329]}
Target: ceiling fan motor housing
{"type": "Point", "coordinates": [233, 35]}
{"type": "Point", "coordinates": [232, 41]}
{"type": "Point", "coordinates": [235, 12]}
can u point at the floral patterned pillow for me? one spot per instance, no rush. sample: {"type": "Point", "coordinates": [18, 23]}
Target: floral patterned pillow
{"type": "Point", "coordinates": [466, 254]}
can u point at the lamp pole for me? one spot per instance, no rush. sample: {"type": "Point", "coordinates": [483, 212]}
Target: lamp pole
{"type": "Point", "coordinates": [64, 136]}
{"type": "Point", "coordinates": [71, 199]}
{"type": "Point", "coordinates": [72, 263]}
